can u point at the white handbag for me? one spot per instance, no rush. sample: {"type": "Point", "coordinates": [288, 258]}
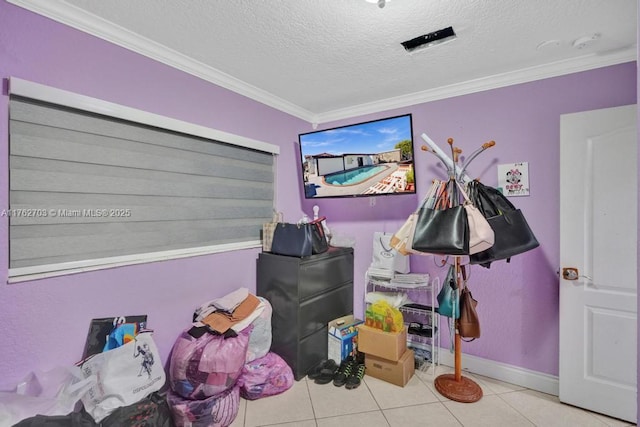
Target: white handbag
{"type": "Point", "coordinates": [126, 375]}
{"type": "Point", "coordinates": [481, 235]}
{"type": "Point", "coordinates": [403, 238]}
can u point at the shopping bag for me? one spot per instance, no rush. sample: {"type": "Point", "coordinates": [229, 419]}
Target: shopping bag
{"type": "Point", "coordinates": [385, 256]}
{"type": "Point", "coordinates": [125, 375]}
{"type": "Point", "coordinates": [268, 229]}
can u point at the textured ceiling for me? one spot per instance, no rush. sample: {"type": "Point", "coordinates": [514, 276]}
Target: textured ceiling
{"type": "Point", "coordinates": [326, 59]}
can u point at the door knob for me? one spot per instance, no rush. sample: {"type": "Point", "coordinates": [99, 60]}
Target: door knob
{"type": "Point", "coordinates": [570, 273]}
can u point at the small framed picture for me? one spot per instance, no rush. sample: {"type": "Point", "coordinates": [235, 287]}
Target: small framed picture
{"type": "Point", "coordinates": [513, 179]}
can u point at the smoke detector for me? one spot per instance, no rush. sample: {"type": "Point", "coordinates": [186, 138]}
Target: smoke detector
{"type": "Point", "coordinates": [430, 39]}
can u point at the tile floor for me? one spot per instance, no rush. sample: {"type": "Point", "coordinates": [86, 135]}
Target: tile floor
{"type": "Point", "coordinates": [377, 403]}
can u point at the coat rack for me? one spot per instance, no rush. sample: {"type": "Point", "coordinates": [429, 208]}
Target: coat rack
{"type": "Point", "coordinates": [455, 386]}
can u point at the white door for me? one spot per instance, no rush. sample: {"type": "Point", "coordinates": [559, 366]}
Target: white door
{"type": "Point", "coordinates": [598, 237]}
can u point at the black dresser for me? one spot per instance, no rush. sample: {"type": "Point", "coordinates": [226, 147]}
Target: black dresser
{"type": "Point", "coordinates": [306, 294]}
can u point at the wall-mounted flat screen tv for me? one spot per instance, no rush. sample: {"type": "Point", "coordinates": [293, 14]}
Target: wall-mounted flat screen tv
{"type": "Point", "coordinates": [361, 160]}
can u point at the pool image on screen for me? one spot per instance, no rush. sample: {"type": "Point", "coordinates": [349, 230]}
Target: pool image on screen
{"type": "Point", "coordinates": [364, 159]}
{"type": "Point", "coordinates": [353, 176]}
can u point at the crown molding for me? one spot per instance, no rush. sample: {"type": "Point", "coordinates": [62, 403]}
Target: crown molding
{"type": "Point", "coordinates": [80, 19]}
{"type": "Point", "coordinates": [555, 69]}
{"type": "Point", "coordinates": [89, 23]}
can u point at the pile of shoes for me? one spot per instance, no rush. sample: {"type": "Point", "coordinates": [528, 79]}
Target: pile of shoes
{"type": "Point", "coordinates": [423, 330]}
{"type": "Point", "coordinates": [348, 374]}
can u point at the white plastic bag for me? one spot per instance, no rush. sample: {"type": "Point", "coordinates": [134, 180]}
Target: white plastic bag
{"type": "Point", "coordinates": [54, 392]}
{"type": "Point", "coordinates": [125, 375]}
{"type": "Point", "coordinates": [260, 338]}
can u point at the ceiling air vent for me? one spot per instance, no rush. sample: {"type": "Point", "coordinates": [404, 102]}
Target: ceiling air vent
{"type": "Point", "coordinates": [428, 40]}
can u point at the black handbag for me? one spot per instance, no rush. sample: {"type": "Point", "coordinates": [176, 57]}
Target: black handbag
{"type": "Point", "coordinates": [292, 240]}
{"type": "Point", "coordinates": [442, 231]}
{"type": "Point", "coordinates": [513, 235]}
{"type": "Point", "coordinates": [299, 240]}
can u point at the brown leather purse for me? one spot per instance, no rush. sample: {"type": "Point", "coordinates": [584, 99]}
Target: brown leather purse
{"type": "Point", "coordinates": [468, 323]}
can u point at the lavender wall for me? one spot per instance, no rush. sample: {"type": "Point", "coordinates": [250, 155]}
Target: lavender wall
{"type": "Point", "coordinates": [45, 322]}
{"type": "Point", "coordinates": [518, 302]}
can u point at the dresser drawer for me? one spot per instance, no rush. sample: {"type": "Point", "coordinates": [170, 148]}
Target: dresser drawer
{"type": "Point", "coordinates": [318, 277]}
{"type": "Point", "coordinates": [316, 312]}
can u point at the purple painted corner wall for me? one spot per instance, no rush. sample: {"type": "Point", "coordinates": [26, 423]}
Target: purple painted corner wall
{"type": "Point", "coordinates": [518, 302]}
{"type": "Point", "coordinates": [45, 322]}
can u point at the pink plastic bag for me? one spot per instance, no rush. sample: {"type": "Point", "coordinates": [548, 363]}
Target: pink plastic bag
{"type": "Point", "coordinates": [266, 376]}
{"type": "Point", "coordinates": [216, 411]}
{"type": "Point", "coordinates": [203, 367]}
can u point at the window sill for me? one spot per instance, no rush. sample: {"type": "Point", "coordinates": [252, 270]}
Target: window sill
{"type": "Point", "coordinates": [24, 274]}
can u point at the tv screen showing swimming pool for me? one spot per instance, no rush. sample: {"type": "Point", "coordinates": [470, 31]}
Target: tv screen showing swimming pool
{"type": "Point", "coordinates": [362, 160]}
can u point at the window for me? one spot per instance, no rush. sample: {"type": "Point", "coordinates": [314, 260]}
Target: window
{"type": "Point", "coordinates": [89, 190]}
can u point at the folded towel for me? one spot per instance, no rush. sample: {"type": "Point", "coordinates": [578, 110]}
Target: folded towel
{"type": "Point", "coordinates": [227, 303]}
{"type": "Point", "coordinates": [221, 322]}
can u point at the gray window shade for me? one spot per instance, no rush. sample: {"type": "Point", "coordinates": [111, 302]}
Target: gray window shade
{"type": "Point", "coordinates": [85, 186]}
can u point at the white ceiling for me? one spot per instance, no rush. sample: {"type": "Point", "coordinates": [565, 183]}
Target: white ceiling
{"type": "Point", "coordinates": [323, 60]}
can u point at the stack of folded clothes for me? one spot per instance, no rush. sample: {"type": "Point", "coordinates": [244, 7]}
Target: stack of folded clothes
{"type": "Point", "coordinates": [233, 311]}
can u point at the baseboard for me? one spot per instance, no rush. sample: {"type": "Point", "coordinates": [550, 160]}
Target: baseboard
{"type": "Point", "coordinates": [538, 381]}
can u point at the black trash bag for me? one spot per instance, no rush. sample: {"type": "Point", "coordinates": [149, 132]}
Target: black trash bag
{"type": "Point", "coordinates": [74, 419]}
{"type": "Point", "coordinates": [152, 411]}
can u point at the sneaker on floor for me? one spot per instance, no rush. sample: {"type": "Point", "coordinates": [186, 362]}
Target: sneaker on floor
{"type": "Point", "coordinates": [355, 379]}
{"type": "Point", "coordinates": [327, 372]}
{"type": "Point", "coordinates": [314, 372]}
{"type": "Point", "coordinates": [343, 372]}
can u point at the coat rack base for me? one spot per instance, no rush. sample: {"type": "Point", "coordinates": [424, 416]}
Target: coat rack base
{"type": "Point", "coordinates": [463, 390]}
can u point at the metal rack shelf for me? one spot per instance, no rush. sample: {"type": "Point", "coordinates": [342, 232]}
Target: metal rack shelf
{"type": "Point", "coordinates": [422, 310]}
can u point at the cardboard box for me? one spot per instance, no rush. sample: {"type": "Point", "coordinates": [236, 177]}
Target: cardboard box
{"type": "Point", "coordinates": [386, 345]}
{"type": "Point", "coordinates": [398, 373]}
{"type": "Point", "coordinates": [343, 339]}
